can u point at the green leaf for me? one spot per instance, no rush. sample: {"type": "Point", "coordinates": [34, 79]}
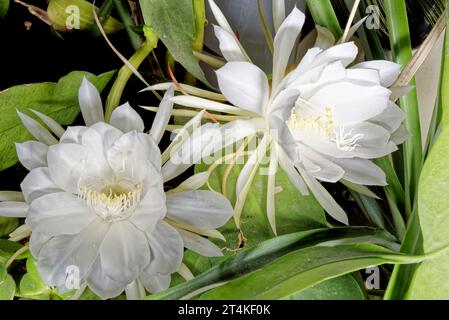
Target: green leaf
{"type": "Point", "coordinates": [7, 225]}
{"type": "Point", "coordinates": [255, 258]}
{"type": "Point", "coordinates": [304, 268]}
{"type": "Point", "coordinates": [57, 100]}
{"type": "Point", "coordinates": [30, 288]}
{"type": "Point", "coordinates": [4, 7]}
{"type": "Point", "coordinates": [430, 279]}
{"type": "Point", "coordinates": [7, 288]}
{"type": "Point", "coordinates": [174, 23]}
{"type": "Point", "coordinates": [7, 249]}
{"type": "Point", "coordinates": [324, 15]}
{"type": "Point", "coordinates": [3, 272]}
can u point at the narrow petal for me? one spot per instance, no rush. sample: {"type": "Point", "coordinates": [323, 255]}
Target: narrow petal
{"type": "Point", "coordinates": [126, 119]}
{"type": "Point", "coordinates": [324, 198]}
{"type": "Point", "coordinates": [400, 135]}
{"type": "Point", "coordinates": [54, 126]}
{"type": "Point", "coordinates": [167, 250]}
{"type": "Point", "coordinates": [278, 13]}
{"type": "Point", "coordinates": [61, 254]}
{"type": "Point", "coordinates": [73, 134]}
{"type": "Point", "coordinates": [200, 103]}
{"type": "Point", "coordinates": [244, 85]}
{"type": "Point", "coordinates": [14, 209]}
{"type": "Point", "coordinates": [271, 186]}
{"type": "Point", "coordinates": [293, 175]}
{"type": "Point", "coordinates": [194, 182]}
{"type": "Point", "coordinates": [363, 172]}
{"type": "Point", "coordinates": [163, 115]}
{"type": "Point", "coordinates": [58, 214]}
{"type": "Point", "coordinates": [124, 252]}
{"type": "Point", "coordinates": [32, 154]}
{"type": "Point", "coordinates": [36, 130]}
{"type": "Point", "coordinates": [12, 196]}
{"type": "Point", "coordinates": [391, 118]}
{"type": "Point", "coordinates": [38, 183]}
{"type": "Point", "coordinates": [37, 241]}
{"type": "Point", "coordinates": [320, 167]}
{"type": "Point", "coordinates": [229, 46]}
{"type": "Point", "coordinates": [199, 208]}
{"type": "Point", "coordinates": [199, 244]}
{"type": "Point", "coordinates": [90, 103]}
{"type": "Point", "coordinates": [346, 53]}
{"type": "Point", "coordinates": [284, 42]}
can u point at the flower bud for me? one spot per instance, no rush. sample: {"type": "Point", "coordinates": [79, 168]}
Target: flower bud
{"type": "Point", "coordinates": [66, 15]}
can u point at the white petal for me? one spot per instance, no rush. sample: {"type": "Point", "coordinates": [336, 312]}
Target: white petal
{"type": "Point", "coordinates": [229, 46]}
{"type": "Point", "coordinates": [32, 154]}
{"type": "Point", "coordinates": [124, 252]}
{"type": "Point", "coordinates": [73, 134]}
{"type": "Point", "coordinates": [284, 42]}
{"type": "Point", "coordinates": [54, 126]}
{"type": "Point", "coordinates": [59, 213]}
{"type": "Point", "coordinates": [388, 71]}
{"type": "Point", "coordinates": [346, 53]}
{"type": "Point", "coordinates": [90, 103]}
{"type": "Point", "coordinates": [151, 209]}
{"type": "Point", "coordinates": [99, 138]}
{"type": "Point", "coordinates": [320, 167]}
{"type": "Point", "coordinates": [271, 186]}
{"type": "Point", "coordinates": [398, 92]}
{"type": "Point", "coordinates": [278, 13]}
{"type": "Point", "coordinates": [37, 241]}
{"type": "Point", "coordinates": [283, 104]}
{"type": "Point", "coordinates": [61, 254]}
{"type": "Point", "coordinates": [293, 175]}
{"type": "Point", "coordinates": [194, 182]}
{"type": "Point", "coordinates": [200, 103]}
{"type": "Point", "coordinates": [199, 208]}
{"type": "Point", "coordinates": [36, 130]}
{"type": "Point", "coordinates": [102, 285]}
{"type": "Point", "coordinates": [163, 115]}
{"type": "Point", "coordinates": [391, 118]}
{"type": "Point", "coordinates": [400, 136]}
{"type": "Point", "coordinates": [324, 198]}
{"type": "Point", "coordinates": [155, 283]}
{"type": "Point", "coordinates": [244, 85]}
{"type": "Point", "coordinates": [167, 250]}
{"type": "Point", "coordinates": [37, 184]}
{"type": "Point", "coordinates": [200, 244]}
{"type": "Point", "coordinates": [303, 65]}
{"type": "Point", "coordinates": [13, 209]}
{"type": "Point", "coordinates": [237, 130]}
{"type": "Point", "coordinates": [126, 119]}
{"type": "Point", "coordinates": [363, 172]}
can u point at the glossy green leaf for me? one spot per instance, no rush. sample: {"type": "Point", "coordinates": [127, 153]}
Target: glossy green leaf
{"type": "Point", "coordinates": [57, 100]}
{"type": "Point", "coordinates": [252, 259]}
{"type": "Point", "coordinates": [324, 15]}
{"type": "Point", "coordinates": [174, 23]}
{"type": "Point", "coordinates": [31, 288]}
{"type": "Point", "coordinates": [7, 288]}
{"type": "Point", "coordinates": [7, 249]}
{"type": "Point", "coordinates": [430, 279]}
{"type": "Point", "coordinates": [304, 268]}
{"type": "Point", "coordinates": [7, 225]}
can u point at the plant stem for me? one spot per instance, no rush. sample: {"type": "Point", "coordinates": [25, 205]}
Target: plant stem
{"type": "Point", "coordinates": [199, 10]}
{"type": "Point", "coordinates": [103, 14]}
{"type": "Point", "coordinates": [396, 12]}
{"type": "Point", "coordinates": [324, 15]}
{"type": "Point", "coordinates": [125, 73]}
{"type": "Point", "coordinates": [128, 23]}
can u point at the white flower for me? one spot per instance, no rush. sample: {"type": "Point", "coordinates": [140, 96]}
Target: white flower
{"type": "Point", "coordinates": [322, 121]}
{"type": "Point", "coordinates": [95, 200]}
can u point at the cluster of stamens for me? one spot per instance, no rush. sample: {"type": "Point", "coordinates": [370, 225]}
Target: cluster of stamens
{"type": "Point", "coordinates": [323, 125]}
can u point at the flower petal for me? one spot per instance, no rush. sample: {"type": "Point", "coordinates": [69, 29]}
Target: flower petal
{"type": "Point", "coordinates": [293, 175]}
{"type": "Point", "coordinates": [36, 130]}
{"type": "Point", "coordinates": [346, 53]}
{"type": "Point", "coordinates": [59, 213]}
{"type": "Point", "coordinates": [363, 172]}
{"type": "Point", "coordinates": [62, 253]}
{"type": "Point", "coordinates": [15, 209]}
{"type": "Point", "coordinates": [229, 46]}
{"type": "Point", "coordinates": [167, 250]}
{"type": "Point", "coordinates": [244, 85]}
{"type": "Point", "coordinates": [199, 208]}
{"type": "Point", "coordinates": [155, 283]}
{"type": "Point", "coordinates": [284, 42]}
{"type": "Point", "coordinates": [320, 167]}
{"type": "Point", "coordinates": [54, 126]}
{"type": "Point", "coordinates": [391, 118]}
{"type": "Point", "coordinates": [151, 209]}
{"type": "Point", "coordinates": [126, 119]}
{"type": "Point", "coordinates": [101, 284]}
{"type": "Point", "coordinates": [90, 103]}
{"type": "Point", "coordinates": [388, 71]}
{"type": "Point", "coordinates": [73, 134]}
{"type": "Point", "coordinates": [200, 244]}
{"type": "Point", "coordinates": [38, 183]}
{"type": "Point", "coordinates": [163, 115]}
{"type": "Point", "coordinates": [124, 252]}
{"type": "Point", "coordinates": [32, 154]}
{"type": "Point", "coordinates": [278, 14]}
{"type": "Point", "coordinates": [200, 103]}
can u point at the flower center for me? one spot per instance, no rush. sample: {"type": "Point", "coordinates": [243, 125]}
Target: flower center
{"type": "Point", "coordinates": [346, 141]}
{"type": "Point", "coordinates": [322, 125]}
{"type": "Point", "coordinates": [113, 202]}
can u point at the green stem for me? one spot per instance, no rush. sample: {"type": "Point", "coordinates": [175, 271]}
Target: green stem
{"type": "Point", "coordinates": [103, 14]}
{"type": "Point", "coordinates": [396, 12]}
{"type": "Point", "coordinates": [125, 73]}
{"type": "Point", "coordinates": [128, 23]}
{"type": "Point", "coordinates": [324, 15]}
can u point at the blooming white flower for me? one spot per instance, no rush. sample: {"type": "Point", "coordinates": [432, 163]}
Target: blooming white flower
{"type": "Point", "coordinates": [325, 120]}
{"type": "Point", "coordinates": [95, 200]}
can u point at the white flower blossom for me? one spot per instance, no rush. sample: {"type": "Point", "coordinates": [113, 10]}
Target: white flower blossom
{"type": "Point", "coordinates": [95, 200]}
{"type": "Point", "coordinates": [323, 121]}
